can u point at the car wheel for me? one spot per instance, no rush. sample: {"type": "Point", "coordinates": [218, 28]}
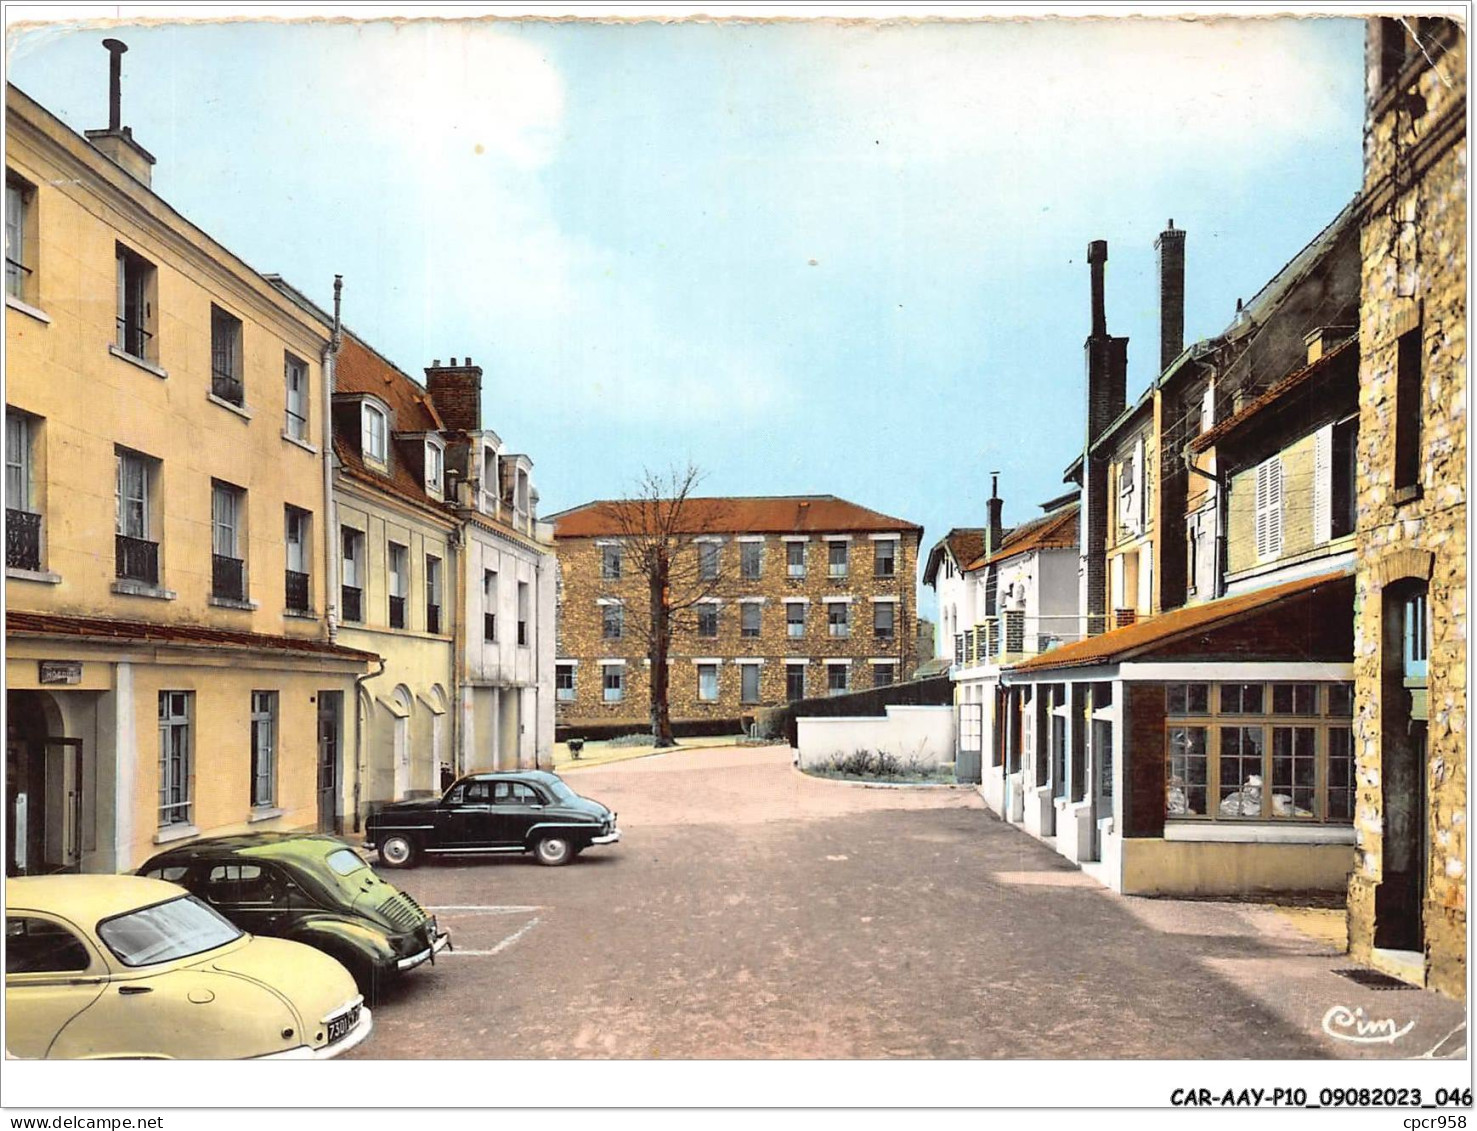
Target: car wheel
{"type": "Point", "coordinates": [553, 851]}
{"type": "Point", "coordinates": [397, 851]}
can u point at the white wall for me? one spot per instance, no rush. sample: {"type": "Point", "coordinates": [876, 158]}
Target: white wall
{"type": "Point", "coordinates": [922, 733]}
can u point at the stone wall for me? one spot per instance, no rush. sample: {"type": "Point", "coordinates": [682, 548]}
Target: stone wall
{"type": "Point", "coordinates": [1414, 273]}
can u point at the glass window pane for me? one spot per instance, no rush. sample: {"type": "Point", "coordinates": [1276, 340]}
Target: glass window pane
{"type": "Point", "coordinates": [1241, 781]}
{"type": "Point", "coordinates": [1186, 793]}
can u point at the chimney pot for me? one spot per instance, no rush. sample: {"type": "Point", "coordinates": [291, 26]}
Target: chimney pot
{"type": "Point", "coordinates": [1170, 247]}
{"type": "Point", "coordinates": [1097, 255]}
{"type": "Point", "coordinates": [436, 363]}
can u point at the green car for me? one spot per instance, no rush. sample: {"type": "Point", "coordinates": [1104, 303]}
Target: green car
{"type": "Point", "coordinates": [310, 889]}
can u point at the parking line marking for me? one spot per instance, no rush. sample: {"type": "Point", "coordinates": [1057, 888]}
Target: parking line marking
{"type": "Point", "coordinates": [491, 910]}
{"type": "Point", "coordinates": [507, 942]}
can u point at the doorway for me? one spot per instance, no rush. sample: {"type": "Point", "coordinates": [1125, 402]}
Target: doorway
{"type": "Point", "coordinates": [43, 788]}
{"type": "Point", "coordinates": [330, 761]}
{"type": "Point", "coordinates": [1405, 852]}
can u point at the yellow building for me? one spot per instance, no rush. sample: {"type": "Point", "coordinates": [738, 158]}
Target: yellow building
{"type": "Point", "coordinates": [171, 676]}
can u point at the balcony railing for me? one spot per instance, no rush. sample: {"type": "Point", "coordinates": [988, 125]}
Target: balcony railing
{"type": "Point", "coordinates": [136, 559]}
{"type": "Point", "coordinates": [353, 603]}
{"type": "Point", "coordinates": [227, 386]}
{"type": "Point", "coordinates": [227, 577]}
{"type": "Point", "coordinates": [22, 539]}
{"type": "Point", "coordinates": [397, 612]}
{"type": "Point", "coordinates": [15, 278]}
{"type": "Point", "coordinates": [489, 627]}
{"type": "Point", "coordinates": [433, 618]}
{"type": "Point", "coordinates": [297, 591]}
{"type": "Point", "coordinates": [133, 339]}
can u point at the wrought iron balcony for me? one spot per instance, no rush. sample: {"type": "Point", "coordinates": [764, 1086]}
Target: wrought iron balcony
{"type": "Point", "coordinates": [133, 339]}
{"type": "Point", "coordinates": [227, 386]}
{"type": "Point", "coordinates": [433, 618]}
{"type": "Point", "coordinates": [136, 559]}
{"type": "Point", "coordinates": [353, 603]}
{"type": "Point", "coordinates": [397, 612]}
{"type": "Point", "coordinates": [227, 577]}
{"type": "Point", "coordinates": [15, 278]}
{"type": "Point", "coordinates": [22, 539]}
{"type": "Point", "coordinates": [297, 591]}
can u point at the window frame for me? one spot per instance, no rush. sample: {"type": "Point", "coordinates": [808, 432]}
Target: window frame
{"type": "Point", "coordinates": [751, 560]}
{"type": "Point", "coordinates": [707, 616]}
{"type": "Point", "coordinates": [296, 403]}
{"type": "Point", "coordinates": [612, 680]}
{"type": "Point", "coordinates": [264, 733]}
{"type": "Point", "coordinates": [172, 723]}
{"type": "Point", "coordinates": [757, 677]}
{"type": "Point", "coordinates": [434, 596]}
{"type": "Point", "coordinates": [890, 557]}
{"type": "Point", "coordinates": [890, 632]}
{"type": "Point", "coordinates": [751, 610]}
{"type": "Point", "coordinates": [612, 620]}
{"type": "Point", "coordinates": [20, 225]}
{"type": "Point", "coordinates": [565, 673]}
{"type": "Point", "coordinates": [705, 674]}
{"type": "Point", "coordinates": [709, 560]}
{"type": "Point", "coordinates": [845, 686]}
{"type": "Point", "coordinates": [612, 561]}
{"type": "Point", "coordinates": [435, 467]}
{"type": "Point", "coordinates": [19, 460]}
{"type": "Point", "coordinates": [838, 628]}
{"type": "Point", "coordinates": [227, 356]}
{"type": "Point", "coordinates": [795, 569]}
{"type": "Point", "coordinates": [374, 438]}
{"type": "Point", "coordinates": [792, 623]}
{"type": "Point", "coordinates": [137, 279]}
{"type": "Point", "coordinates": [838, 568]}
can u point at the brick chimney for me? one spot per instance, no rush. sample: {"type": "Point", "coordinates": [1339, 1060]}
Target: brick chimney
{"type": "Point", "coordinates": [456, 391]}
{"type": "Point", "coordinates": [116, 142]}
{"type": "Point", "coordinates": [1170, 248]}
{"type": "Point", "coordinates": [994, 531]}
{"type": "Point", "coordinates": [1107, 386]}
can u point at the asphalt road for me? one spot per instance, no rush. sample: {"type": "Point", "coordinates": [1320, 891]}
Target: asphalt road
{"type": "Point", "coordinates": [751, 912]}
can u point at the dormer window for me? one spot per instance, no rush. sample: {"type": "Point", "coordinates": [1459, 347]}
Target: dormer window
{"type": "Point", "coordinates": [376, 433]}
{"type": "Point", "coordinates": [435, 466]}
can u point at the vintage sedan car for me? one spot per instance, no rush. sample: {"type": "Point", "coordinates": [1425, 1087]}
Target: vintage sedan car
{"type": "Point", "coordinates": [130, 967]}
{"type": "Point", "coordinates": [312, 889]}
{"type": "Point", "coordinates": [506, 811]}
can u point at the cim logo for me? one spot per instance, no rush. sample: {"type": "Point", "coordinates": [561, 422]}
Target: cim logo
{"type": "Point", "coordinates": [1344, 1024]}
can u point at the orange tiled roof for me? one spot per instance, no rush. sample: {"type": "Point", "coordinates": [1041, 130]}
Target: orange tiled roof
{"type": "Point", "coordinates": [966, 543]}
{"type": "Point", "coordinates": [57, 624]}
{"type": "Point", "coordinates": [1124, 643]}
{"type": "Point", "coordinates": [359, 369]}
{"type": "Point", "coordinates": [785, 514]}
{"type": "Point", "coordinates": [1276, 392]}
{"type": "Point", "coordinates": [1055, 531]}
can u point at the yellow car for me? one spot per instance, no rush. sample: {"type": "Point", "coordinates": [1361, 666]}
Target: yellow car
{"type": "Point", "coordinates": [126, 966]}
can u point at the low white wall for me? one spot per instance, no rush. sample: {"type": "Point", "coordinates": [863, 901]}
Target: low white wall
{"type": "Point", "coordinates": [922, 735]}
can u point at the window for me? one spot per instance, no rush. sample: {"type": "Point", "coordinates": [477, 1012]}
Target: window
{"type": "Point", "coordinates": [1408, 414]}
{"type": "Point", "coordinates": [523, 614]}
{"type": "Point", "coordinates": [707, 560]}
{"type": "Point", "coordinates": [136, 280]}
{"type": "Point", "coordinates": [375, 434]}
{"type": "Point", "coordinates": [136, 555]}
{"type": "Point", "coordinates": [296, 539]}
{"type": "Point", "coordinates": [795, 558]}
{"type": "Point", "coordinates": [884, 675]}
{"type": "Point", "coordinates": [612, 621]}
{"type": "Point", "coordinates": [489, 481]}
{"type": "Point", "coordinates": [39, 946]}
{"type": "Point", "coordinates": [614, 679]}
{"type": "Point", "coordinates": [885, 558]}
{"type": "Point", "coordinates": [1414, 646]}
{"type": "Point", "coordinates": [564, 682]}
{"type": "Point", "coordinates": [295, 377]}
{"type": "Point", "coordinates": [794, 682]}
{"type": "Point", "coordinates": [399, 566]}
{"type": "Point", "coordinates": [838, 618]}
{"type": "Point", "coordinates": [707, 682]}
{"type": "Point", "coordinates": [1343, 491]}
{"type": "Point", "coordinates": [1295, 762]}
{"type": "Point", "coordinates": [751, 560]}
{"type": "Point", "coordinates": [838, 678]}
{"type": "Point", "coordinates": [175, 757]}
{"type": "Point", "coordinates": [610, 562]}
{"type": "Point", "coordinates": [433, 594]}
{"type": "Point", "coordinates": [884, 620]}
{"type": "Point", "coordinates": [795, 618]}
{"type": "Point", "coordinates": [1269, 509]}
{"type": "Point", "coordinates": [489, 606]}
{"type": "Point", "coordinates": [19, 238]}
{"type": "Point", "coordinates": [435, 468]}
{"type": "Point", "coordinates": [22, 525]}
{"type": "Point", "coordinates": [748, 683]}
{"type": "Point", "coordinates": [837, 558]}
{"type": "Point", "coordinates": [352, 572]}
{"type": "Point", "coordinates": [225, 357]}
{"type": "Point", "coordinates": [263, 749]}
{"type": "Point", "coordinates": [707, 619]}
{"type": "Point", "coordinates": [750, 618]}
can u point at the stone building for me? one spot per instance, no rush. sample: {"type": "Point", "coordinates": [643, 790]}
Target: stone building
{"type": "Point", "coordinates": [813, 595]}
{"type": "Point", "coordinates": [1408, 891]}
{"type": "Point", "coordinates": [172, 677]}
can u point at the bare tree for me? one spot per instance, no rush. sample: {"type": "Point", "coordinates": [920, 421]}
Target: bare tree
{"type": "Point", "coordinates": [659, 524]}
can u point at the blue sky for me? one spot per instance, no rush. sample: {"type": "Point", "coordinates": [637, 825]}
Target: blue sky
{"type": "Point", "coordinates": [811, 257]}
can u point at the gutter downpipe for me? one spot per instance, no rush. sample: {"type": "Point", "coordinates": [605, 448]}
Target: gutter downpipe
{"type": "Point", "coordinates": [360, 757]}
{"type": "Point", "coordinates": [330, 526]}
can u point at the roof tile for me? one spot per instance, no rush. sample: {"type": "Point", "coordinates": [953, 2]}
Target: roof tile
{"type": "Point", "coordinates": [788, 514]}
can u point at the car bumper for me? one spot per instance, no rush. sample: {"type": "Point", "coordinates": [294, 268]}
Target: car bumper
{"type": "Point", "coordinates": [609, 838]}
{"type": "Point", "coordinates": [352, 1039]}
{"type": "Point", "coordinates": [441, 943]}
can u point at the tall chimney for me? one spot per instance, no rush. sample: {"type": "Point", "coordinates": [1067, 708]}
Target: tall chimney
{"type": "Point", "coordinates": [456, 391]}
{"type": "Point", "coordinates": [116, 142]}
{"type": "Point", "coordinates": [1170, 247]}
{"type": "Point", "coordinates": [1107, 387]}
{"type": "Point", "coordinates": [995, 532]}
{"type": "Point", "coordinates": [1097, 255]}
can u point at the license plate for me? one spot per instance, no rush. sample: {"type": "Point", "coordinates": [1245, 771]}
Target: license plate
{"type": "Point", "coordinates": [340, 1026]}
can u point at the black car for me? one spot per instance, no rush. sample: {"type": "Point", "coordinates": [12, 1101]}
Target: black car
{"type": "Point", "coordinates": [513, 811]}
{"type": "Point", "coordinates": [311, 889]}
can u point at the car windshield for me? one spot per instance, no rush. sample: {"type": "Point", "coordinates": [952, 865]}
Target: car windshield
{"type": "Point", "coordinates": [559, 789]}
{"type": "Point", "coordinates": [177, 928]}
{"type": "Point", "coordinates": [345, 861]}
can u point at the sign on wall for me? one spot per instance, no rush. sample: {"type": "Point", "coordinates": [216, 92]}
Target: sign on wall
{"type": "Point", "coordinates": [61, 671]}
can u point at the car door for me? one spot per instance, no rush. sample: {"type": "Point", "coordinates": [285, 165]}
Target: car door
{"type": "Point", "coordinates": [517, 806]}
{"type": "Point", "coordinates": [469, 822]}
{"type": "Point", "coordinates": [51, 977]}
{"type": "Point", "coordinates": [262, 898]}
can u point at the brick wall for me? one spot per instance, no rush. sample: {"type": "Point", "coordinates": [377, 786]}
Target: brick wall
{"type": "Point", "coordinates": [1414, 273]}
{"type": "Point", "coordinates": [581, 629]}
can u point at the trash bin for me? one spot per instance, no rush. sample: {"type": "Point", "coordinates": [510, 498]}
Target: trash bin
{"type": "Point", "coordinates": [575, 746]}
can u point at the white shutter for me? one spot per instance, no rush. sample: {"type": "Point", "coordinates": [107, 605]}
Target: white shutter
{"type": "Point", "coordinates": [1207, 409]}
{"type": "Point", "coordinates": [1136, 502]}
{"type": "Point", "coordinates": [1261, 513]}
{"type": "Point", "coordinates": [1323, 485]}
{"type": "Point", "coordinates": [1269, 509]}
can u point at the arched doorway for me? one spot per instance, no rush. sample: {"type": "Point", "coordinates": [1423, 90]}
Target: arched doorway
{"type": "Point", "coordinates": [43, 787]}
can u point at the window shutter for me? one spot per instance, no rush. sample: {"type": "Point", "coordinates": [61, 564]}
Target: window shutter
{"type": "Point", "coordinates": [1269, 509]}
{"type": "Point", "coordinates": [1140, 492]}
{"type": "Point", "coordinates": [1262, 540]}
{"type": "Point", "coordinates": [1323, 485]}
